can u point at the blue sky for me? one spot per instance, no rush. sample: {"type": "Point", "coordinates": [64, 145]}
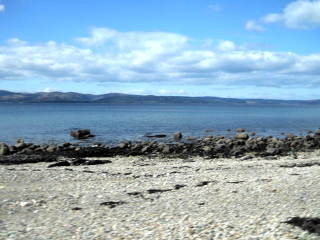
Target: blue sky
{"type": "Point", "coordinates": [243, 48]}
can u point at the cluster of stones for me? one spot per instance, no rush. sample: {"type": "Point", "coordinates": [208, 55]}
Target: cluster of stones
{"type": "Point", "coordinates": [211, 146]}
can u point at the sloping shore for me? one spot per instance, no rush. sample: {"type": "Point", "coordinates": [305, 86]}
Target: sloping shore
{"type": "Point", "coordinates": [144, 197]}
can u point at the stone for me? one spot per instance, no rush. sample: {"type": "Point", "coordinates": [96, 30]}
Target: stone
{"type": "Point", "coordinates": [177, 136]}
{"type": "Point", "coordinates": [290, 136]}
{"type": "Point", "coordinates": [242, 136]}
{"type": "Point", "coordinates": [166, 149]}
{"type": "Point", "coordinates": [81, 134]}
{"type": "Point", "coordinates": [272, 151]}
{"type": "Point", "coordinates": [66, 144]}
{"type": "Point", "coordinates": [25, 204]}
{"type": "Point", "coordinates": [155, 135]}
{"type": "Point", "coordinates": [4, 149]}
{"type": "Point", "coordinates": [20, 144]}
{"type": "Point", "coordinates": [145, 149]}
{"type": "Point", "coordinates": [51, 149]}
{"type": "Point", "coordinates": [207, 149]}
{"type": "Point", "coordinates": [240, 130]}
{"type": "Point", "coordinates": [191, 138]}
{"type": "Point", "coordinates": [26, 151]}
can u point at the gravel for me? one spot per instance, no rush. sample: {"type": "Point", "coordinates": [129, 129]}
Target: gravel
{"type": "Point", "coordinates": [157, 198]}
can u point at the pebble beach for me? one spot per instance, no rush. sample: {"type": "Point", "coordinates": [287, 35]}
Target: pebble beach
{"type": "Point", "coordinates": [141, 197]}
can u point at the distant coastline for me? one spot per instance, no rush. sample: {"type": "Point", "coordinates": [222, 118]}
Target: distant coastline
{"type": "Point", "coordinates": [119, 98]}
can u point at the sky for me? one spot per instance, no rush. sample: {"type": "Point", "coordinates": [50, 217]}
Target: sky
{"type": "Point", "coordinates": [224, 48]}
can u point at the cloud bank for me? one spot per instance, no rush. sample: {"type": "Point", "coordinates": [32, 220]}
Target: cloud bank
{"type": "Point", "coordinates": [2, 8]}
{"type": "Point", "coordinates": [109, 56]}
{"type": "Point", "coordinates": [301, 14]}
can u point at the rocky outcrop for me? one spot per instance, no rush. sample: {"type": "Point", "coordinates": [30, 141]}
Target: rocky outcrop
{"type": "Point", "coordinates": [210, 147]}
{"type": "Point", "coordinates": [4, 149]}
{"type": "Point", "coordinates": [81, 134]}
{"type": "Point", "coordinates": [177, 136]}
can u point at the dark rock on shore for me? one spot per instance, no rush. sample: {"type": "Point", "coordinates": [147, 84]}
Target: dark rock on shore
{"type": "Point", "coordinates": [210, 147]}
{"type": "Point", "coordinates": [149, 135]}
{"type": "Point", "coordinates": [4, 149]}
{"type": "Point", "coordinates": [81, 134]}
{"type": "Point", "coordinates": [240, 130]}
{"type": "Point", "coordinates": [177, 136]}
{"type": "Point", "coordinates": [242, 136]}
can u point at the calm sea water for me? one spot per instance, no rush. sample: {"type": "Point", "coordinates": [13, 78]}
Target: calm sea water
{"type": "Point", "coordinates": [43, 123]}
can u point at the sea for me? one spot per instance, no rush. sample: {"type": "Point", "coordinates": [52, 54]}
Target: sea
{"type": "Point", "coordinates": [51, 122]}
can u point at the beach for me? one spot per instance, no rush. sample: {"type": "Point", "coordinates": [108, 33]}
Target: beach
{"type": "Point", "coordinates": [145, 197]}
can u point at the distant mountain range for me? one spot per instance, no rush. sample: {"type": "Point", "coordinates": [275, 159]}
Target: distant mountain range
{"type": "Point", "coordinates": [119, 98]}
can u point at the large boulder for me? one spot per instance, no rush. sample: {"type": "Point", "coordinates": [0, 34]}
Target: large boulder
{"type": "Point", "coordinates": [177, 136]}
{"type": "Point", "coordinates": [20, 144]}
{"type": "Point", "coordinates": [242, 136]}
{"type": "Point", "coordinates": [240, 130]}
{"type": "Point", "coordinates": [4, 149]}
{"type": "Point", "coordinates": [81, 134]}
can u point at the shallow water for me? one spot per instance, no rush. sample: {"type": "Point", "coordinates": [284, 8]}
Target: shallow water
{"type": "Point", "coordinates": [51, 122]}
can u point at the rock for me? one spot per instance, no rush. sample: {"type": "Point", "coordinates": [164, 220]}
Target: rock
{"type": "Point", "coordinates": [272, 151]}
{"type": "Point", "coordinates": [155, 135]}
{"type": "Point", "coordinates": [166, 149]}
{"type": "Point", "coordinates": [290, 136]}
{"type": "Point", "coordinates": [25, 204]}
{"type": "Point", "coordinates": [12, 149]}
{"type": "Point", "coordinates": [39, 149]}
{"type": "Point", "coordinates": [242, 136]}
{"type": "Point", "coordinates": [253, 133]}
{"type": "Point", "coordinates": [240, 130]}
{"type": "Point", "coordinates": [207, 139]}
{"type": "Point", "coordinates": [81, 134]}
{"type": "Point", "coordinates": [4, 149]}
{"type": "Point", "coordinates": [66, 144]}
{"type": "Point", "coordinates": [51, 149]}
{"type": "Point", "coordinates": [191, 138]}
{"type": "Point", "coordinates": [26, 151]}
{"type": "Point", "coordinates": [145, 149]}
{"type": "Point", "coordinates": [309, 137]}
{"type": "Point", "coordinates": [122, 145]}
{"type": "Point", "coordinates": [19, 140]}
{"type": "Point", "coordinates": [207, 149]}
{"type": "Point", "coordinates": [177, 136]}
{"type": "Point", "coordinates": [317, 132]}
{"type": "Point", "coordinates": [20, 144]}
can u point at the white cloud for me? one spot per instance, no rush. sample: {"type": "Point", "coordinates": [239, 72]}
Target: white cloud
{"type": "Point", "coordinates": [146, 57]}
{"type": "Point", "coordinates": [272, 18]}
{"type": "Point", "coordinates": [253, 26]}
{"type": "Point", "coordinates": [156, 42]}
{"type": "Point", "coordinates": [300, 14]}
{"type": "Point", "coordinates": [171, 92]}
{"type": "Point", "coordinates": [226, 46]}
{"type": "Point", "coordinates": [2, 8]}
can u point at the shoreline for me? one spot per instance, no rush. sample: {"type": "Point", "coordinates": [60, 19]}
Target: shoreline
{"type": "Point", "coordinates": [245, 187]}
{"type": "Point", "coordinates": [242, 145]}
